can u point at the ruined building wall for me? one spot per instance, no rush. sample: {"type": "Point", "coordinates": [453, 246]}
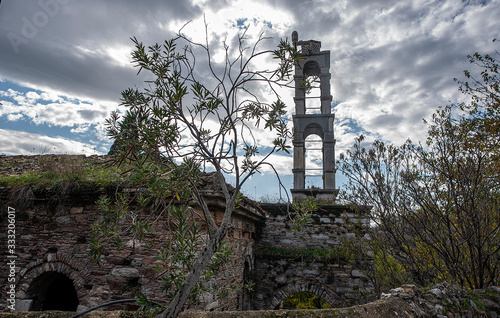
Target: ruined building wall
{"type": "Point", "coordinates": [281, 270]}
{"type": "Point", "coordinates": [52, 243]}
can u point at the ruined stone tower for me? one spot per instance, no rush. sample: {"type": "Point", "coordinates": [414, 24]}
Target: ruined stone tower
{"type": "Point", "coordinates": [313, 118]}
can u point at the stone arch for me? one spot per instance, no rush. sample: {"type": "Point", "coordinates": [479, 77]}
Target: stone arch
{"type": "Point", "coordinates": [312, 68]}
{"type": "Point", "coordinates": [329, 296]}
{"type": "Point", "coordinates": [60, 266]}
{"type": "Point", "coordinates": [314, 129]}
{"type": "Point", "coordinates": [312, 101]}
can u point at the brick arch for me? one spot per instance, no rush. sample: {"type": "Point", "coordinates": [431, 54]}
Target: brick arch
{"type": "Point", "coordinates": [60, 263]}
{"type": "Point", "coordinates": [329, 296]}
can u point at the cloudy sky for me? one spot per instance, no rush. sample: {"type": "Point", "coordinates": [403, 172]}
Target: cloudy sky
{"type": "Point", "coordinates": [63, 63]}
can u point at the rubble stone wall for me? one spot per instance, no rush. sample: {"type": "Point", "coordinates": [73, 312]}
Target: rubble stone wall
{"type": "Point", "coordinates": [330, 278]}
{"type": "Point", "coordinates": [442, 301]}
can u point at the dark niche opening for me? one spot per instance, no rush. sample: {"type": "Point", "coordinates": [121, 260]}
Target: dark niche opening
{"type": "Point", "coordinates": [247, 288]}
{"type": "Point", "coordinates": [53, 291]}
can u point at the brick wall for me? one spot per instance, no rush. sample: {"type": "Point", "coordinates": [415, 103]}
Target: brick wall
{"type": "Point", "coordinates": [52, 236]}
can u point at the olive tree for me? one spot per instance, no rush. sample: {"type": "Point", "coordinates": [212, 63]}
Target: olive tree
{"type": "Point", "coordinates": [196, 115]}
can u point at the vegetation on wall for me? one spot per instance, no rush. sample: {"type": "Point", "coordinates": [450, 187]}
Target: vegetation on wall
{"type": "Point", "coordinates": [51, 171]}
{"type": "Point", "coordinates": [304, 300]}
{"type": "Point", "coordinates": [337, 256]}
{"type": "Point", "coordinates": [55, 177]}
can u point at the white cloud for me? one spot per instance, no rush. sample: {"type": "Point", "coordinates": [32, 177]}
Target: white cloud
{"type": "Point", "coordinates": [51, 96]}
{"type": "Point", "coordinates": [228, 20]}
{"type": "Point", "coordinates": [80, 129]}
{"type": "Point", "coordinates": [21, 143]}
{"type": "Point", "coordinates": [32, 96]}
{"type": "Point", "coordinates": [14, 117]}
{"type": "Point", "coordinates": [50, 109]}
{"type": "Point", "coordinates": [120, 55]}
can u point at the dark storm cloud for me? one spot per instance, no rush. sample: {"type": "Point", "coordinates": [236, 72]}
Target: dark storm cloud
{"type": "Point", "coordinates": [63, 44]}
{"type": "Point", "coordinates": [64, 69]}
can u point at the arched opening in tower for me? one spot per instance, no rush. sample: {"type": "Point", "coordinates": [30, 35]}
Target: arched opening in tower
{"type": "Point", "coordinates": [313, 97]}
{"type": "Point", "coordinates": [53, 291]}
{"type": "Point", "coordinates": [313, 85]}
{"type": "Point", "coordinates": [313, 162]}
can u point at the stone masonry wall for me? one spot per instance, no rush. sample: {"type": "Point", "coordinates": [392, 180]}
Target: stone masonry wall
{"type": "Point", "coordinates": [283, 275]}
{"type": "Point", "coordinates": [325, 230]}
{"type": "Point", "coordinates": [52, 235]}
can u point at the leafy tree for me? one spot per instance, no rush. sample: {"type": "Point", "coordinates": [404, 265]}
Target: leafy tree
{"type": "Point", "coordinates": [188, 120]}
{"type": "Point", "coordinates": [125, 137]}
{"type": "Point", "coordinates": [436, 205]}
{"type": "Point", "coordinates": [483, 111]}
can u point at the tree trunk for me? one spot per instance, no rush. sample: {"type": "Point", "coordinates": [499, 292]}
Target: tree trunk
{"type": "Point", "coordinates": [177, 304]}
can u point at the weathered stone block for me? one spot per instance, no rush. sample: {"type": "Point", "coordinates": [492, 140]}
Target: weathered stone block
{"type": "Point", "coordinates": [64, 220]}
{"type": "Point", "coordinates": [125, 273]}
{"type": "Point", "coordinates": [115, 260]}
{"type": "Point", "coordinates": [23, 304]}
{"type": "Point", "coordinates": [310, 272]}
{"type": "Point", "coordinates": [436, 292]}
{"type": "Point", "coordinates": [319, 237]}
{"type": "Point", "coordinates": [281, 279]}
{"type": "Point", "coordinates": [357, 273]}
{"type": "Point", "coordinates": [76, 210]}
{"type": "Point", "coordinates": [291, 273]}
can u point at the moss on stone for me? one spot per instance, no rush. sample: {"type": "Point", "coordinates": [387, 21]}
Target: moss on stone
{"type": "Point", "coordinates": [318, 253]}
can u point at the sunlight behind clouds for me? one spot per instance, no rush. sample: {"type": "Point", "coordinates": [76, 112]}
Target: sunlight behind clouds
{"type": "Point", "coordinates": [120, 55]}
{"type": "Point", "coordinates": [228, 20]}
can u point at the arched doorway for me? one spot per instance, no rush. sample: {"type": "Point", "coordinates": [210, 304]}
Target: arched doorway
{"type": "Point", "coordinates": [304, 300]}
{"type": "Point", "coordinates": [328, 295]}
{"type": "Point", "coordinates": [52, 291]}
